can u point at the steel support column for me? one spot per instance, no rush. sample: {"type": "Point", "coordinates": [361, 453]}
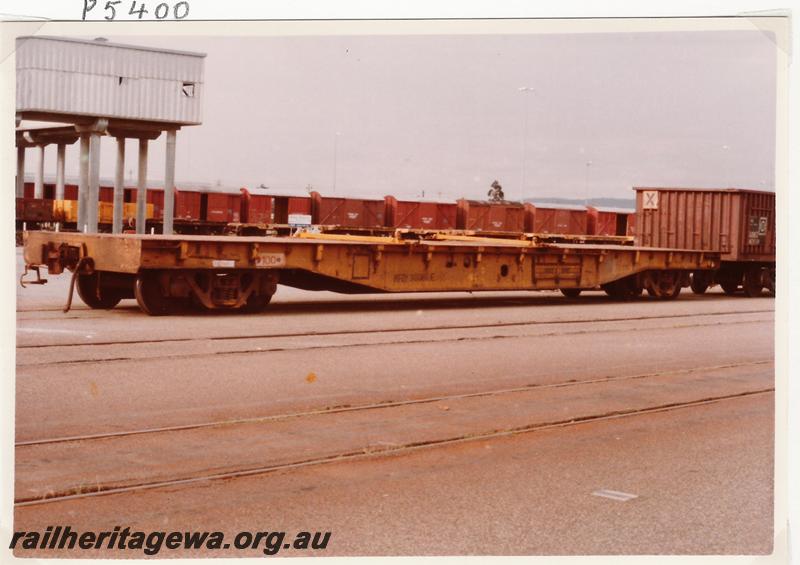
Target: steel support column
{"type": "Point", "coordinates": [141, 192]}
{"type": "Point", "coordinates": [169, 183]}
{"type": "Point", "coordinates": [60, 154]}
{"type": "Point", "coordinates": [20, 172]}
{"type": "Point", "coordinates": [38, 185]}
{"type": "Point", "coordinates": [119, 186]}
{"type": "Point", "coordinates": [83, 182]}
{"type": "Point", "coordinates": [94, 181]}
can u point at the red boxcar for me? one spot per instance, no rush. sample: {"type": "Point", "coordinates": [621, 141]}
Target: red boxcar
{"type": "Point", "coordinates": [106, 194]}
{"type": "Point", "coordinates": [222, 207]}
{"type": "Point", "coordinates": [631, 231]}
{"type": "Point", "coordinates": [347, 212]}
{"type": "Point", "coordinates": [607, 221]}
{"type": "Point", "coordinates": [70, 192]}
{"type": "Point", "coordinates": [155, 196]}
{"type": "Point", "coordinates": [48, 190]}
{"type": "Point", "coordinates": [740, 223]}
{"type": "Point", "coordinates": [558, 219]}
{"type": "Point", "coordinates": [28, 190]}
{"type": "Point", "coordinates": [194, 205]}
{"type": "Point", "coordinates": [284, 206]}
{"type": "Point", "coordinates": [257, 208]}
{"type": "Point", "coordinates": [187, 205]}
{"type": "Point", "coordinates": [491, 216]}
{"type": "Point", "coordinates": [35, 209]}
{"type": "Point", "coordinates": [420, 215]}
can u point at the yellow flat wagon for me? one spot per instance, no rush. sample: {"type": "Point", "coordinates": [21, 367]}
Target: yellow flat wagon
{"type": "Point", "coordinates": [161, 272]}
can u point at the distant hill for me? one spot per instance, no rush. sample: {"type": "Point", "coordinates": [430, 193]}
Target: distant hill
{"type": "Point", "coordinates": [602, 202]}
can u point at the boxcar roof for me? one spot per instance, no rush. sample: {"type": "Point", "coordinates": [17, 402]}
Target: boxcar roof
{"type": "Point", "coordinates": [692, 189]}
{"type": "Point", "coordinates": [559, 206]}
{"type": "Point", "coordinates": [614, 210]}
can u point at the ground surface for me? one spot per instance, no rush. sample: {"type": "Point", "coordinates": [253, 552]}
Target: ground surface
{"type": "Point", "coordinates": [413, 424]}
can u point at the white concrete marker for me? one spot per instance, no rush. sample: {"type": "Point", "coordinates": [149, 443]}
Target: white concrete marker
{"type": "Point", "coordinates": [615, 495]}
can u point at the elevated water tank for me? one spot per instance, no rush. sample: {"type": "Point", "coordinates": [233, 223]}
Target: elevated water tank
{"type": "Point", "coordinates": [60, 78]}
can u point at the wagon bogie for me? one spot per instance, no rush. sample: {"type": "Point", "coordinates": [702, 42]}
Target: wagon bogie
{"type": "Point", "coordinates": [665, 284]}
{"type": "Point", "coordinates": [165, 291]}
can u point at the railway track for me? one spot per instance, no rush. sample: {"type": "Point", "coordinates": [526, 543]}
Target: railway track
{"type": "Point", "coordinates": [106, 456]}
{"type": "Point", "coordinates": [261, 344]}
{"type": "Point", "coordinates": [380, 405]}
{"type": "Point", "coordinates": [345, 304]}
{"type": "Point", "coordinates": [415, 328]}
{"type": "Point", "coordinates": [373, 451]}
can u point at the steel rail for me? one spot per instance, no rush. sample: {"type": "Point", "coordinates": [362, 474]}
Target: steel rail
{"type": "Point", "coordinates": [384, 451]}
{"type": "Point", "coordinates": [444, 340]}
{"type": "Point", "coordinates": [379, 405]}
{"type": "Point", "coordinates": [392, 330]}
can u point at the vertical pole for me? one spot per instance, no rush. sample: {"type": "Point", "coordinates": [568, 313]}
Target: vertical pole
{"type": "Point", "coordinates": [141, 190]}
{"type": "Point", "coordinates": [20, 172]}
{"type": "Point", "coordinates": [60, 153]}
{"type": "Point", "coordinates": [586, 185]}
{"type": "Point", "coordinates": [94, 181]}
{"type": "Point", "coordinates": [524, 149]}
{"type": "Point", "coordinates": [38, 186]}
{"type": "Point", "coordinates": [526, 91]}
{"type": "Point", "coordinates": [335, 158]}
{"type": "Point", "coordinates": [169, 183]}
{"type": "Point", "coordinates": [119, 186]}
{"type": "Point", "coordinates": [83, 181]}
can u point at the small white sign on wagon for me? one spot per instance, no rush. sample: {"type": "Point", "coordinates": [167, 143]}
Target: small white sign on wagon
{"type": "Point", "coordinates": [271, 260]}
{"type": "Point", "coordinates": [650, 200]}
{"type": "Point", "coordinates": [299, 220]}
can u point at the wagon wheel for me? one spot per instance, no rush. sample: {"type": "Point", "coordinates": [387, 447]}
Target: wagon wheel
{"type": "Point", "coordinates": [571, 292]}
{"type": "Point", "coordinates": [613, 290]}
{"type": "Point", "coordinates": [94, 294]}
{"type": "Point", "coordinates": [256, 303]}
{"type": "Point", "coordinates": [729, 287]}
{"type": "Point", "coordinates": [636, 289]}
{"type": "Point", "coordinates": [769, 280]}
{"type": "Point", "coordinates": [700, 282]}
{"type": "Point", "coordinates": [149, 296]}
{"type": "Point", "coordinates": [753, 282]}
{"type": "Point", "coordinates": [634, 286]}
{"type": "Point", "coordinates": [663, 285]}
{"type": "Point", "coordinates": [623, 289]}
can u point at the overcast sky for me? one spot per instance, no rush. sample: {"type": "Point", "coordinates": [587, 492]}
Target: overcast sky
{"type": "Point", "coordinates": [444, 114]}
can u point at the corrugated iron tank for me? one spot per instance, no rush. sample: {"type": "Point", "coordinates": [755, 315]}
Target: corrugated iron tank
{"type": "Point", "coordinates": [57, 75]}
